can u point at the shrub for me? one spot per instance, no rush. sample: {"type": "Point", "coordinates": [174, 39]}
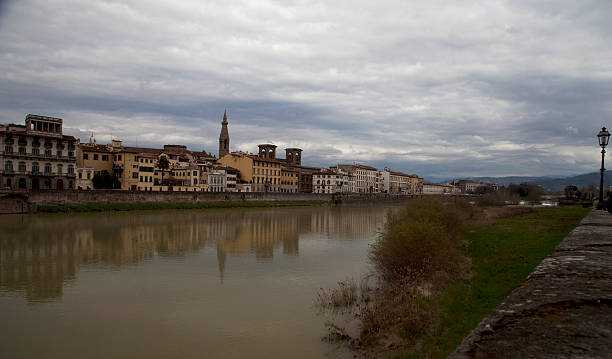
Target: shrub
{"type": "Point", "coordinates": [417, 241]}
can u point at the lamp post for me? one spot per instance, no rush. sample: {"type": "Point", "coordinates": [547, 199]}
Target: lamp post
{"type": "Point", "coordinates": [603, 137]}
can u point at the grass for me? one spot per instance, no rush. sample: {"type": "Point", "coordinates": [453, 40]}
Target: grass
{"type": "Point", "coordinates": [158, 206]}
{"type": "Point", "coordinates": [503, 254]}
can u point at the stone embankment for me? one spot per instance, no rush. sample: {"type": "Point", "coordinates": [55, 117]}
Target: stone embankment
{"type": "Point", "coordinates": [564, 309]}
{"type": "Point", "coordinates": [22, 202]}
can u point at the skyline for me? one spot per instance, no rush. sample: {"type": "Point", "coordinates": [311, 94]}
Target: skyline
{"type": "Point", "coordinates": [494, 89]}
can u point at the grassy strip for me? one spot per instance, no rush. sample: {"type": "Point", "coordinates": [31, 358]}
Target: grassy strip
{"type": "Point", "coordinates": [503, 254]}
{"type": "Point", "coordinates": [157, 206]}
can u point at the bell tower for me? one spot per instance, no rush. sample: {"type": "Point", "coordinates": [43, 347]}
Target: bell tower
{"type": "Point", "coordinates": [224, 137]}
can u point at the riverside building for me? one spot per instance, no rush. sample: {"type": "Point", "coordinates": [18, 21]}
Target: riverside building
{"type": "Point", "coordinates": [37, 156]}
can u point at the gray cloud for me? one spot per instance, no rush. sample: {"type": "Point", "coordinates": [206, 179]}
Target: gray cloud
{"type": "Point", "coordinates": [435, 88]}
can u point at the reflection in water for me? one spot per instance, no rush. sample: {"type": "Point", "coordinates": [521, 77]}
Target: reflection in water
{"type": "Point", "coordinates": [40, 254]}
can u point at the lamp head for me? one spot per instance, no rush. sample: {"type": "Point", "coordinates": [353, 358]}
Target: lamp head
{"type": "Point", "coordinates": [604, 137]}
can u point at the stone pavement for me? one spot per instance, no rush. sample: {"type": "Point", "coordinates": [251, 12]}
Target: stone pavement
{"type": "Point", "coordinates": [563, 310]}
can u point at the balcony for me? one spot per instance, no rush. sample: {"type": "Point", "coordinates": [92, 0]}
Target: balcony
{"type": "Point", "coordinates": [37, 156]}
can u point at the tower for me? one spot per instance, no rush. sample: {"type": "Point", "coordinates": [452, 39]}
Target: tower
{"type": "Point", "coordinates": [293, 156]}
{"type": "Point", "coordinates": [224, 137]}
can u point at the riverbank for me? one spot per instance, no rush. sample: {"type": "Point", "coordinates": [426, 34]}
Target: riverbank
{"type": "Point", "coordinates": [78, 200]}
{"type": "Point", "coordinates": [162, 206]}
{"type": "Point", "coordinates": [563, 310]}
{"type": "Point", "coordinates": [429, 315]}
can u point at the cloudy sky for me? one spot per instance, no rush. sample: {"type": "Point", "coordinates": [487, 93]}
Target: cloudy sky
{"type": "Point", "coordinates": [438, 88]}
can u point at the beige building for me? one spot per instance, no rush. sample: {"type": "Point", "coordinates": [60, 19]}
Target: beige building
{"type": "Point", "coordinates": [262, 171]}
{"type": "Point", "coordinates": [394, 182]}
{"type": "Point", "coordinates": [37, 156]}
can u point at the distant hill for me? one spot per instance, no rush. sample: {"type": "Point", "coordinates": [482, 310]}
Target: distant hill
{"type": "Point", "coordinates": [579, 181]}
{"type": "Point", "coordinates": [551, 183]}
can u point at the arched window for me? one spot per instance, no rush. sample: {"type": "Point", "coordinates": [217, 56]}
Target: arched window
{"type": "Point", "coordinates": [60, 169]}
{"type": "Point", "coordinates": [35, 167]}
{"type": "Point", "coordinates": [8, 166]}
{"type": "Point", "coordinates": [70, 171]}
{"type": "Point", "coordinates": [22, 167]}
{"type": "Point", "coordinates": [48, 168]}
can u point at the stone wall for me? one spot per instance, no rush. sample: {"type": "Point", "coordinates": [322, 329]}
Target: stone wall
{"type": "Point", "coordinates": [15, 203]}
{"type": "Point", "coordinates": [51, 198]}
{"type": "Point", "coordinates": [23, 202]}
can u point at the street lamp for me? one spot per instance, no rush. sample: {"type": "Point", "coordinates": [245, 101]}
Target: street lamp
{"type": "Point", "coordinates": [604, 137]}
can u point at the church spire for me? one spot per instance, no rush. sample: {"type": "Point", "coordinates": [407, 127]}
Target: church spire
{"type": "Point", "coordinates": [224, 137]}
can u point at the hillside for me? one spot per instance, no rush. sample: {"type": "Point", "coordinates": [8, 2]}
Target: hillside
{"type": "Point", "coordinates": [552, 183]}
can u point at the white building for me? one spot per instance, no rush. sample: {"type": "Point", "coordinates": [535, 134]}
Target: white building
{"type": "Point", "coordinates": [328, 181]}
{"type": "Point", "coordinates": [367, 179]}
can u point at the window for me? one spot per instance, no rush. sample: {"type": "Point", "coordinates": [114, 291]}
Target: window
{"type": "Point", "coordinates": [35, 151]}
{"type": "Point", "coordinates": [8, 149]}
{"type": "Point", "coordinates": [22, 150]}
{"type": "Point", "coordinates": [95, 156]}
{"type": "Point", "coordinates": [119, 158]}
{"type": "Point", "coordinates": [60, 169]}
{"type": "Point", "coordinates": [88, 174]}
{"type": "Point", "coordinates": [85, 156]}
{"type": "Point", "coordinates": [104, 157]}
{"type": "Point", "coordinates": [48, 153]}
{"type": "Point", "coordinates": [195, 173]}
{"type": "Point", "coordinates": [70, 171]}
{"type": "Point", "coordinates": [35, 167]}
{"type": "Point", "coordinates": [58, 153]}
{"type": "Point", "coordinates": [140, 178]}
{"type": "Point", "coordinates": [8, 166]}
{"type": "Point", "coordinates": [135, 175]}
{"type": "Point", "coordinates": [80, 175]}
{"type": "Point", "coordinates": [22, 167]}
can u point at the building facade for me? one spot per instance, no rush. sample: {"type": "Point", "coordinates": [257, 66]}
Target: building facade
{"type": "Point", "coordinates": [37, 156]}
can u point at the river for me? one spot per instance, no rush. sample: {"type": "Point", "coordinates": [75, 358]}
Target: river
{"type": "Point", "coordinates": [236, 283]}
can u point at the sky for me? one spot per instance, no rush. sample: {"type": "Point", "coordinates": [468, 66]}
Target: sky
{"type": "Point", "coordinates": [444, 89]}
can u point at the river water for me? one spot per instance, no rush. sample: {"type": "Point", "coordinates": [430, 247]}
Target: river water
{"type": "Point", "coordinates": [234, 283]}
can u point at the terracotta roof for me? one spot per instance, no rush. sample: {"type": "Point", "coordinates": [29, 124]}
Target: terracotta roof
{"type": "Point", "coordinates": [138, 150]}
{"type": "Point", "coordinates": [94, 148]}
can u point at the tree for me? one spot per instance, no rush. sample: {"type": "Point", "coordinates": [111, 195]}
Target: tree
{"type": "Point", "coordinates": [570, 191]}
{"type": "Point", "coordinates": [163, 164]}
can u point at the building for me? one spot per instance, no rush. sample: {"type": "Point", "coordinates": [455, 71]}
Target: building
{"type": "Point", "coordinates": [37, 156]}
{"type": "Point", "coordinates": [367, 179]}
{"type": "Point", "coordinates": [394, 182]}
{"type": "Point", "coordinates": [328, 181]}
{"type": "Point", "coordinates": [290, 179]}
{"type": "Point", "coordinates": [84, 179]}
{"type": "Point", "coordinates": [468, 186]}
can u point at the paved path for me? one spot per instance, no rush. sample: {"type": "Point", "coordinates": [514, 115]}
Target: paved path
{"type": "Point", "coordinates": [564, 309]}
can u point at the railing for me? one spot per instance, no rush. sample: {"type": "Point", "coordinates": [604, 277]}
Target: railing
{"type": "Point", "coordinates": [35, 173]}
{"type": "Point", "coordinates": [32, 155]}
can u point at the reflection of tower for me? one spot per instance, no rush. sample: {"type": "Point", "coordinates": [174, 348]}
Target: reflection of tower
{"type": "Point", "coordinates": [221, 255]}
{"type": "Point", "coordinates": [224, 137]}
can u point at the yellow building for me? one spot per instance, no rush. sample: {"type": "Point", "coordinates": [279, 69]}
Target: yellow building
{"type": "Point", "coordinates": [289, 180]}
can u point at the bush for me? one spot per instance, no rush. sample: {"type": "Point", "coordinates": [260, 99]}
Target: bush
{"type": "Point", "coordinates": [417, 241]}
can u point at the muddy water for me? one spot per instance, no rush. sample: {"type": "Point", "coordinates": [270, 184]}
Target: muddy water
{"type": "Point", "coordinates": [182, 284]}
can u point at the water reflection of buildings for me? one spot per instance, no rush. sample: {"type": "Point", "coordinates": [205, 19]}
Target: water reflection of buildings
{"type": "Point", "coordinates": [38, 255]}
